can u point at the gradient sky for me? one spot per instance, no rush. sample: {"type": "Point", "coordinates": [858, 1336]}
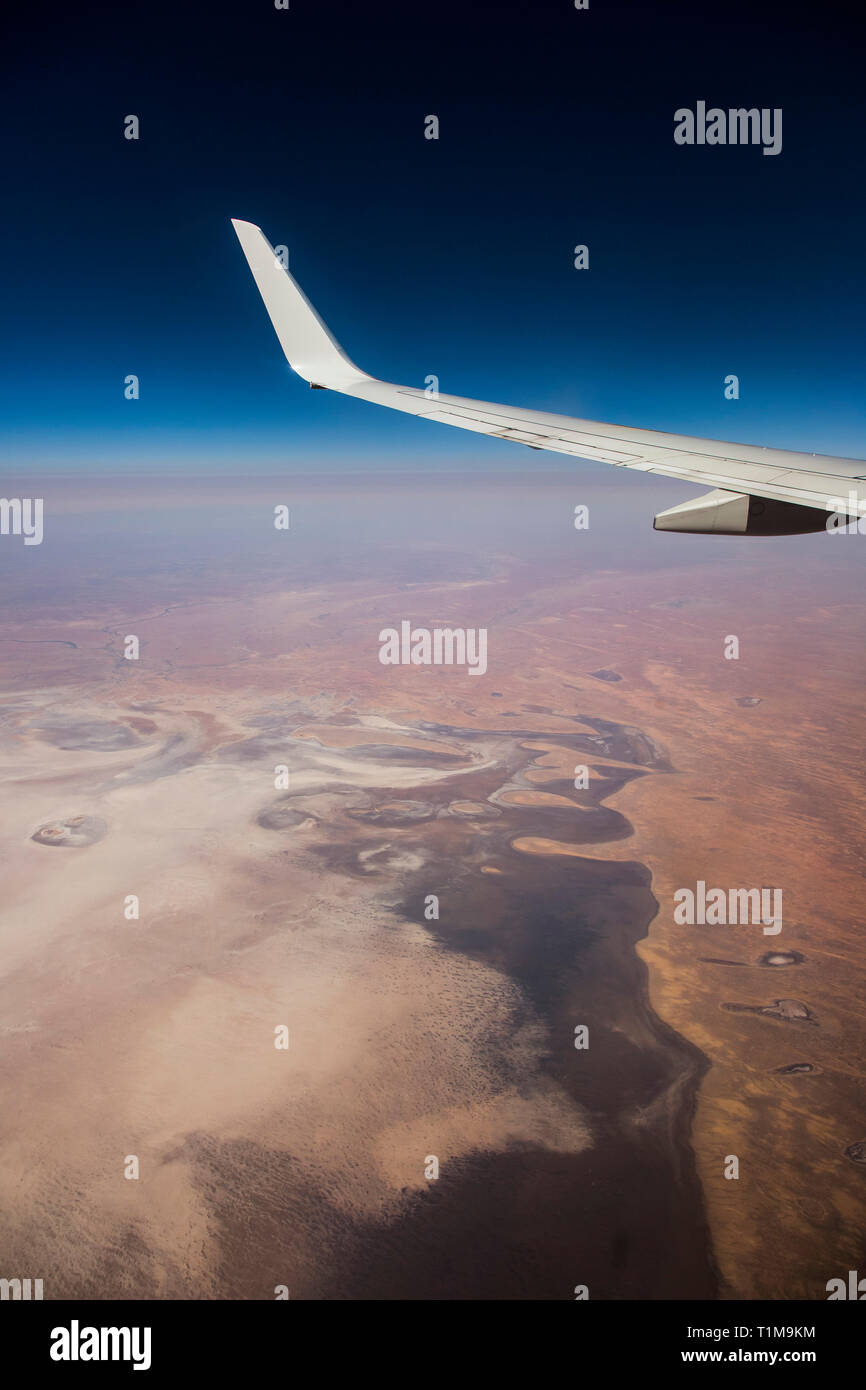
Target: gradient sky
{"type": "Point", "coordinates": [451, 257]}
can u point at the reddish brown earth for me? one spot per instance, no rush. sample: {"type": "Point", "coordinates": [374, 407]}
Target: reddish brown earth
{"type": "Point", "coordinates": [304, 907]}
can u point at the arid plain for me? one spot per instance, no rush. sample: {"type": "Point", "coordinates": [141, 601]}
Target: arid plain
{"type": "Point", "coordinates": [305, 907]}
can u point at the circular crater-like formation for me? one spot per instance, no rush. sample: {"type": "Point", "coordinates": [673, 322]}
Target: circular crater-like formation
{"type": "Point", "coordinates": [788, 1009]}
{"type": "Point", "coordinates": [472, 810]}
{"type": "Point", "coordinates": [73, 833]}
{"type": "Point", "coordinates": [857, 1151]}
{"type": "Point", "coordinates": [776, 959]}
{"type": "Point", "coordinates": [282, 816]}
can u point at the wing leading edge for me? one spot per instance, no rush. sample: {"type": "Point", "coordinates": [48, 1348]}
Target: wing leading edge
{"type": "Point", "coordinates": [755, 490]}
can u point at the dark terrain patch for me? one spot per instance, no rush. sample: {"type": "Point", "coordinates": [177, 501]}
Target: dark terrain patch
{"type": "Point", "coordinates": [395, 813]}
{"type": "Point", "coordinates": [530, 1223]}
{"type": "Point", "coordinates": [90, 735]}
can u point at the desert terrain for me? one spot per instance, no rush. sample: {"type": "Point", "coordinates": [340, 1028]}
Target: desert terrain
{"type": "Point", "coordinates": [300, 900]}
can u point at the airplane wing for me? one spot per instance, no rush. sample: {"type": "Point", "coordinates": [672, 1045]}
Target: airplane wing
{"type": "Point", "coordinates": [755, 490]}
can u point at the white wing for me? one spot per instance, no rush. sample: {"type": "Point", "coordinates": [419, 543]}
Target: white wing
{"type": "Point", "coordinates": [757, 490]}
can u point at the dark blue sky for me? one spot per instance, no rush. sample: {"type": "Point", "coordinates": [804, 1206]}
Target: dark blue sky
{"type": "Point", "coordinates": [451, 256]}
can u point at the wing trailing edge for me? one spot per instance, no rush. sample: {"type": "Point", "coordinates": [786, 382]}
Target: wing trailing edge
{"type": "Point", "coordinates": [755, 490]}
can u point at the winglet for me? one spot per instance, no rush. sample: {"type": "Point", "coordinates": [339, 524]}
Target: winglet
{"type": "Point", "coordinates": [311, 349]}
